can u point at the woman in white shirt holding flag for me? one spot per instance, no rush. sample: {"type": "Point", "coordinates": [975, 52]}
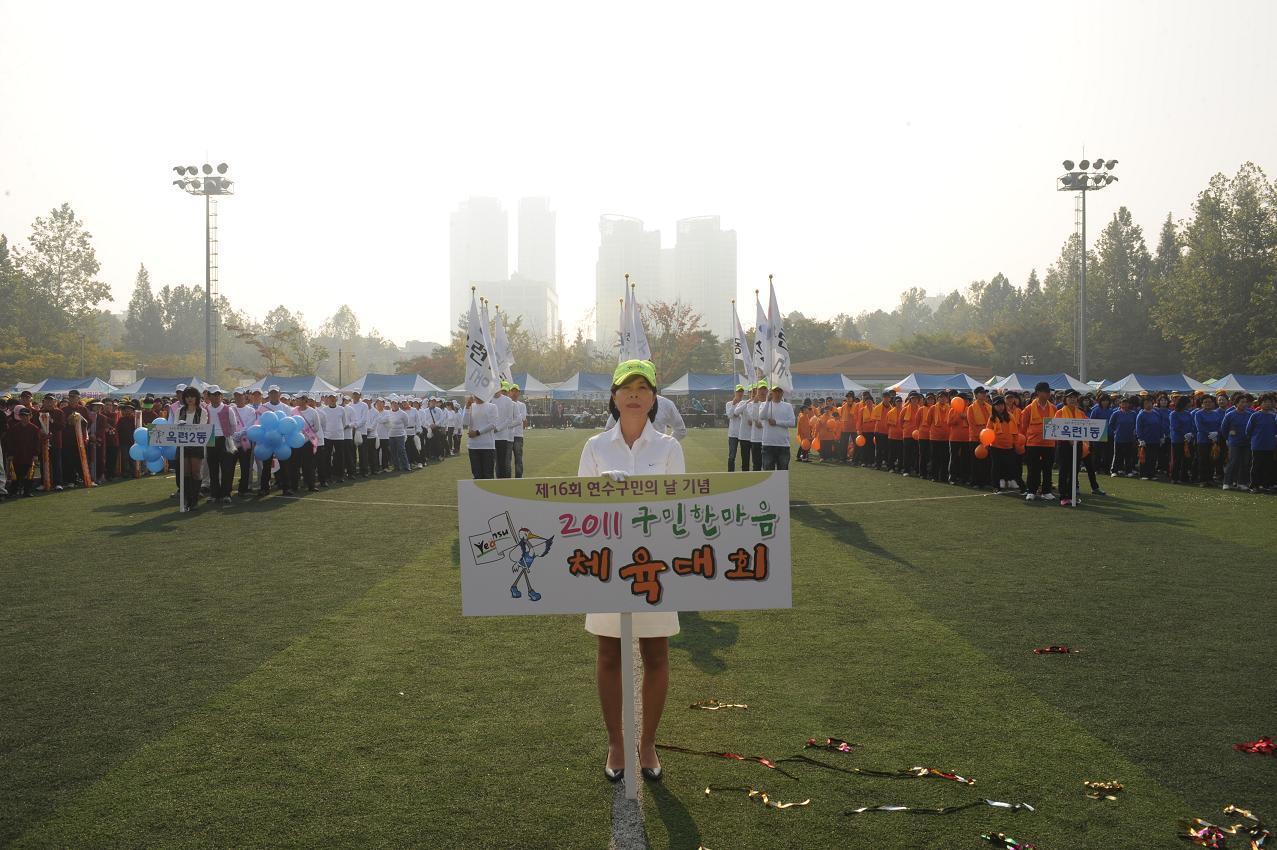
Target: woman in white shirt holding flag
{"type": "Point", "coordinates": [633, 447]}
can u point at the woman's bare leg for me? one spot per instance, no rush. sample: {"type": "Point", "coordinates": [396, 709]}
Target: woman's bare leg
{"type": "Point", "coordinates": [608, 673]}
{"type": "Point", "coordinates": [656, 682]}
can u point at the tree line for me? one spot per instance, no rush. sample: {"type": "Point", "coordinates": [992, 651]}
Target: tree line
{"type": "Point", "coordinates": [1202, 299]}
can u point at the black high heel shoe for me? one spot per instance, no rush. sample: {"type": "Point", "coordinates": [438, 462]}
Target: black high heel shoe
{"type": "Point", "coordinates": [652, 774]}
{"type": "Point", "coordinates": [613, 775]}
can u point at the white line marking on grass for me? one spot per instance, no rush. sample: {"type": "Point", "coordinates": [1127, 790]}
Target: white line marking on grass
{"type": "Point", "coordinates": [362, 502]}
{"type": "Point", "coordinates": [628, 832]}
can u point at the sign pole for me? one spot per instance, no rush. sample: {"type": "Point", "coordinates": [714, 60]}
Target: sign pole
{"type": "Point", "coordinates": [1073, 502]}
{"type": "Point", "coordinates": [181, 479]}
{"type": "Point", "coordinates": [627, 706]}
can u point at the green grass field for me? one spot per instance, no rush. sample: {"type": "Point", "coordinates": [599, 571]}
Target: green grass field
{"type": "Point", "coordinates": [297, 673]}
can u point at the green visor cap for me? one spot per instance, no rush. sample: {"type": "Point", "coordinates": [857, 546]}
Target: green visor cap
{"type": "Point", "coordinates": [627, 369]}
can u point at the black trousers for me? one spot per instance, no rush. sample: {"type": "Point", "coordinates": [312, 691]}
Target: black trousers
{"type": "Point", "coordinates": [301, 466]}
{"type": "Point", "coordinates": [775, 457]}
{"type": "Point", "coordinates": [1181, 464]}
{"type": "Point", "coordinates": [911, 456]}
{"type": "Point", "coordinates": [325, 460]}
{"type": "Point", "coordinates": [1261, 468]}
{"type": "Point", "coordinates": [1205, 463]}
{"type": "Point", "coordinates": [1102, 453]}
{"type": "Point", "coordinates": [959, 461]}
{"type": "Point", "coordinates": [1006, 465]}
{"type": "Point", "coordinates": [924, 457]}
{"type": "Point", "coordinates": [746, 454]}
{"type": "Point", "coordinates": [503, 459]}
{"type": "Point", "coordinates": [980, 469]}
{"type": "Point", "coordinates": [245, 459]}
{"type": "Point", "coordinates": [221, 468]}
{"type": "Point", "coordinates": [756, 455]}
{"type": "Point", "coordinates": [1039, 461]}
{"type": "Point", "coordinates": [843, 439]}
{"type": "Point", "coordinates": [940, 460]}
{"type": "Point", "coordinates": [1123, 458]}
{"type": "Point", "coordinates": [483, 463]}
{"type": "Point", "coordinates": [348, 457]}
{"type": "Point", "coordinates": [733, 444]}
{"type": "Point", "coordinates": [895, 454]}
{"type": "Point", "coordinates": [516, 449]}
{"type": "Point", "coordinates": [368, 460]}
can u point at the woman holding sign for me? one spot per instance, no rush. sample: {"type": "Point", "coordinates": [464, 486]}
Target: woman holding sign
{"type": "Point", "coordinates": [633, 447]}
{"type": "Point", "coordinates": [191, 412]}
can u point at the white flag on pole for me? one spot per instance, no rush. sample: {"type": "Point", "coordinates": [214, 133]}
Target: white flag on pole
{"type": "Point", "coordinates": [503, 356]}
{"type": "Point", "coordinates": [487, 338]}
{"type": "Point", "coordinates": [479, 375]}
{"type": "Point", "coordinates": [762, 362]}
{"type": "Point", "coordinates": [638, 337]}
{"type": "Point", "coordinates": [778, 374]}
{"type": "Point", "coordinates": [740, 348]}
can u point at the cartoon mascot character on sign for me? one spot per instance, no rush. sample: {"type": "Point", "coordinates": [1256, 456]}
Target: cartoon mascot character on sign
{"type": "Point", "coordinates": [523, 555]}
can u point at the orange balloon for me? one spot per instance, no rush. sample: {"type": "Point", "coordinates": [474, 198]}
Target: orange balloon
{"type": "Point", "coordinates": [987, 436]}
{"type": "Point", "coordinates": [959, 404]}
{"type": "Point", "coordinates": [806, 444]}
{"type": "Point", "coordinates": [860, 439]}
{"type": "Point", "coordinates": [1086, 449]}
{"type": "Point", "coordinates": [917, 434]}
{"type": "Point", "coordinates": [982, 451]}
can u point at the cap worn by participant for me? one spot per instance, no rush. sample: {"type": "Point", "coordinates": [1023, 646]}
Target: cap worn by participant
{"type": "Point", "coordinates": [627, 369]}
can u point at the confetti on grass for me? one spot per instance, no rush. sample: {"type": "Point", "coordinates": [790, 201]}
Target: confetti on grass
{"type": "Point", "coordinates": [946, 810]}
{"type": "Point", "coordinates": [1263, 747]}
{"type": "Point", "coordinates": [1001, 839]}
{"type": "Point", "coordinates": [1103, 790]}
{"type": "Point", "coordinates": [715, 705]}
{"type": "Point", "coordinates": [756, 794]}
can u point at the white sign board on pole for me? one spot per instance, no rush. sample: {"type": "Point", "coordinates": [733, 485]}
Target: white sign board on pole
{"type": "Point", "coordinates": [1084, 430]}
{"type": "Point", "coordinates": [1075, 431]}
{"type": "Point", "coordinates": [180, 434]}
{"type": "Point", "coordinates": [698, 542]}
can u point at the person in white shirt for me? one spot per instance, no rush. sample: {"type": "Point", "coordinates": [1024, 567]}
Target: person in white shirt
{"type": "Point", "coordinates": [221, 454]}
{"type": "Point", "coordinates": [778, 417]}
{"type": "Point", "coordinates": [302, 463]}
{"type": "Point", "coordinates": [733, 427]}
{"type": "Point", "coordinates": [245, 418]}
{"type": "Point", "coordinates": [359, 413]}
{"type": "Point", "coordinates": [455, 423]}
{"type": "Point", "coordinates": [516, 430]}
{"type": "Point", "coordinates": [273, 402]}
{"type": "Point", "coordinates": [480, 423]}
{"type": "Point", "coordinates": [633, 447]}
{"type": "Point", "coordinates": [332, 423]}
{"type": "Point", "coordinates": [379, 433]}
{"type": "Point", "coordinates": [504, 412]}
{"type": "Point", "coordinates": [348, 440]}
{"type": "Point", "coordinates": [398, 431]}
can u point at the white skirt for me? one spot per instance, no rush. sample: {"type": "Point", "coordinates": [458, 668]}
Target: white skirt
{"type": "Point", "coordinates": [646, 624]}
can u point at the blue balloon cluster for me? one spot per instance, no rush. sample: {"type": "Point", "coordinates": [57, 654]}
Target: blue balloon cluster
{"type": "Point", "coordinates": [276, 434]}
{"type": "Point", "coordinates": [153, 456]}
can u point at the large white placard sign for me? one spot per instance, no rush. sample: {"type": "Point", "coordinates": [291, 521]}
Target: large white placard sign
{"type": "Point", "coordinates": [699, 542]}
{"type": "Point", "coordinates": [1074, 430]}
{"type": "Point", "coordinates": [180, 434]}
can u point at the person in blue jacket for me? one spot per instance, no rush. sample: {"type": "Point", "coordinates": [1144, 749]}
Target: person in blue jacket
{"type": "Point", "coordinates": [1122, 433]}
{"type": "Point", "coordinates": [1261, 428]}
{"type": "Point", "coordinates": [1206, 423]}
{"type": "Point", "coordinates": [1102, 452]}
{"type": "Point", "coordinates": [1162, 404]}
{"type": "Point", "coordinates": [1150, 434]}
{"type": "Point", "coordinates": [1183, 436]}
{"type": "Point", "coordinates": [1233, 430]}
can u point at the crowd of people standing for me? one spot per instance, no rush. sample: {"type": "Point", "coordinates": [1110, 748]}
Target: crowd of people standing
{"type": "Point", "coordinates": [68, 442]}
{"type": "Point", "coordinates": [988, 441]}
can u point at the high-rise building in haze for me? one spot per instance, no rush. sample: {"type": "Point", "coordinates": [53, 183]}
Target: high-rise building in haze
{"type": "Point", "coordinates": [536, 240]}
{"type": "Point", "coordinates": [479, 250]}
{"type": "Point", "coordinates": [700, 271]}
{"type": "Point", "coordinates": [705, 271]}
{"type": "Point", "coordinates": [624, 247]}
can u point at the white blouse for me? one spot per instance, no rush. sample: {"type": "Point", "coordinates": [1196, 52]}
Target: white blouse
{"type": "Point", "coordinates": [653, 453]}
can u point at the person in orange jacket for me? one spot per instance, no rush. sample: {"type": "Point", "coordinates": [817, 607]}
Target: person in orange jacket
{"type": "Point", "coordinates": [882, 450]}
{"type": "Point", "coordinates": [977, 419]}
{"type": "Point", "coordinates": [867, 429]}
{"type": "Point", "coordinates": [848, 424]}
{"type": "Point", "coordinates": [804, 432]}
{"type": "Point", "coordinates": [1038, 450]}
{"type": "Point", "coordinates": [959, 442]}
{"type": "Point", "coordinates": [925, 414]}
{"type": "Point", "coordinates": [940, 438]}
{"type": "Point", "coordinates": [895, 435]}
{"type": "Point", "coordinates": [910, 418]}
{"type": "Point", "coordinates": [830, 429]}
{"type": "Point", "coordinates": [1005, 461]}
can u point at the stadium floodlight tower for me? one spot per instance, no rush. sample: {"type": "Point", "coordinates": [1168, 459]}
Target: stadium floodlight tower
{"type": "Point", "coordinates": [1086, 176]}
{"type": "Point", "coordinates": [210, 185]}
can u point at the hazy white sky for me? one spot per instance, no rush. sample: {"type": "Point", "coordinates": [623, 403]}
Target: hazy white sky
{"type": "Point", "coordinates": [857, 149]}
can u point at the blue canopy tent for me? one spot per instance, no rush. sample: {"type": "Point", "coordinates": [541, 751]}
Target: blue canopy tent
{"type": "Point", "coordinates": [157, 386]}
{"type": "Point", "coordinates": [925, 382]}
{"type": "Point", "coordinates": [374, 384]}
{"type": "Point", "coordinates": [828, 384]}
{"type": "Point", "coordinates": [1136, 383]}
{"type": "Point", "coordinates": [61, 386]}
{"type": "Point", "coordinates": [1233, 382]}
{"type": "Point", "coordinates": [695, 382]}
{"type": "Point", "coordinates": [529, 387]}
{"type": "Point", "coordinates": [1023, 382]}
{"type": "Point", "coordinates": [583, 385]}
{"type": "Point", "coordinates": [293, 384]}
